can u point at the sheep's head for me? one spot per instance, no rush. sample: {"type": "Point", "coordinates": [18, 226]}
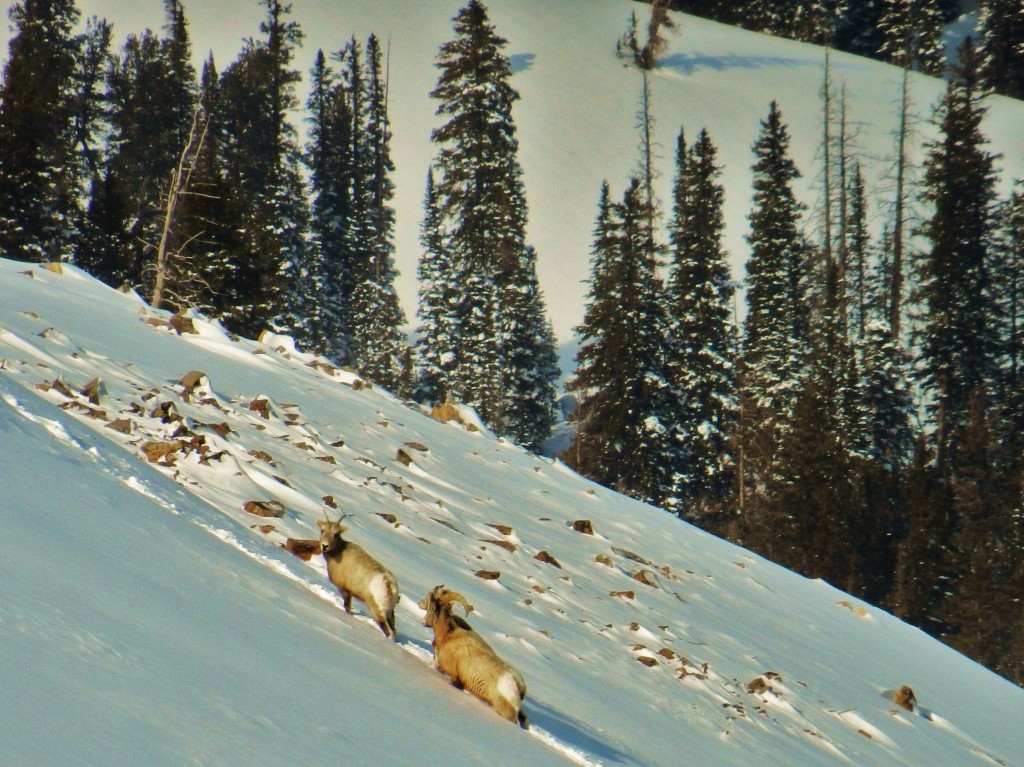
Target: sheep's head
{"type": "Point", "coordinates": [438, 600]}
{"type": "Point", "coordinates": [329, 531]}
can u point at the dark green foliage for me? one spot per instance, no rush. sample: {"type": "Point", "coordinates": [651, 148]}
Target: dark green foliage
{"type": "Point", "coordinates": [777, 325]}
{"type": "Point", "coordinates": [261, 168]}
{"type": "Point", "coordinates": [1001, 30]}
{"type": "Point", "coordinates": [38, 198]}
{"type": "Point", "coordinates": [958, 339]}
{"type": "Point", "coordinates": [625, 422]}
{"type": "Point", "coordinates": [703, 338]}
{"type": "Point", "coordinates": [375, 319]}
{"type": "Point", "coordinates": [500, 357]}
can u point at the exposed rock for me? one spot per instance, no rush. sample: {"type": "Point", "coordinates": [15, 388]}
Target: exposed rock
{"type": "Point", "coordinates": [265, 508]}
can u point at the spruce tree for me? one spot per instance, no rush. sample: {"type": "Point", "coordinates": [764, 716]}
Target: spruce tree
{"type": "Point", "coordinates": [1001, 30]}
{"type": "Point", "coordinates": [438, 302]}
{"type": "Point", "coordinates": [702, 348]}
{"type": "Point", "coordinates": [378, 345]}
{"type": "Point", "coordinates": [206, 217]}
{"type": "Point", "coordinates": [777, 324]}
{"type": "Point", "coordinates": [912, 32]}
{"type": "Point", "coordinates": [626, 433]}
{"type": "Point", "coordinates": [39, 203]}
{"type": "Point", "coordinates": [500, 340]}
{"type": "Point", "coordinates": [268, 260]}
{"type": "Point", "coordinates": [329, 158]}
{"type": "Point", "coordinates": [958, 334]}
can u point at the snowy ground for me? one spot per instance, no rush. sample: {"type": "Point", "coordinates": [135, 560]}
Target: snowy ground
{"type": "Point", "coordinates": [577, 116]}
{"type": "Point", "coordinates": [146, 618]}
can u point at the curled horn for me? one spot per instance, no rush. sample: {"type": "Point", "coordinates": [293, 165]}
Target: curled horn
{"type": "Point", "coordinates": [453, 596]}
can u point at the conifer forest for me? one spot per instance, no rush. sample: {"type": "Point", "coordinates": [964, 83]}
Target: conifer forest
{"type": "Point", "coordinates": [863, 423]}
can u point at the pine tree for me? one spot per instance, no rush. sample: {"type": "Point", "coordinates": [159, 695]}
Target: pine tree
{"type": "Point", "coordinates": [379, 348]}
{"type": "Point", "coordinates": [776, 329]}
{"type": "Point", "coordinates": [480, 193]}
{"type": "Point", "coordinates": [262, 169]}
{"type": "Point", "coordinates": [329, 157]}
{"type": "Point", "coordinates": [1009, 277]}
{"type": "Point", "coordinates": [958, 345]}
{"type": "Point", "coordinates": [626, 437]}
{"type": "Point", "coordinates": [912, 32]}
{"type": "Point", "coordinates": [438, 302]}
{"type": "Point", "coordinates": [1001, 29]}
{"type": "Point", "coordinates": [151, 88]}
{"type": "Point", "coordinates": [702, 349]}
{"type": "Point", "coordinates": [39, 201]}
{"type": "Point", "coordinates": [206, 217]}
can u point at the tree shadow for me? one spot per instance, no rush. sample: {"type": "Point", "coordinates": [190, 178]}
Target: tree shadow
{"type": "Point", "coordinates": [573, 734]}
{"type": "Point", "coordinates": [520, 62]}
{"type": "Point", "coordinates": [687, 64]}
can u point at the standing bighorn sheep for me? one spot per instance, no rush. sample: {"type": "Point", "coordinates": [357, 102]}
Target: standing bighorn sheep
{"type": "Point", "coordinates": [468, 661]}
{"type": "Point", "coordinates": [357, 574]}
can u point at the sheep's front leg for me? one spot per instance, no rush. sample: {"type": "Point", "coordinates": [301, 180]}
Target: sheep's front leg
{"type": "Point", "coordinates": [346, 601]}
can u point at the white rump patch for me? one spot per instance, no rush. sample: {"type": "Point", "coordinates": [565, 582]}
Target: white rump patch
{"type": "Point", "coordinates": [379, 590]}
{"type": "Point", "coordinates": [508, 688]}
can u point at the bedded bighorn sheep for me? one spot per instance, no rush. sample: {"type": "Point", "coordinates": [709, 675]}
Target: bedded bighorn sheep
{"type": "Point", "coordinates": [468, 661]}
{"type": "Point", "coordinates": [357, 574]}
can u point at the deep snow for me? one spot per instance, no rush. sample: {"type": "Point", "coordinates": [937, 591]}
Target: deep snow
{"type": "Point", "coordinates": [145, 618]}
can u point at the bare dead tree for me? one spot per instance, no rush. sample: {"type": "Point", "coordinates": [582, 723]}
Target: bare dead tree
{"type": "Point", "coordinates": [181, 178]}
{"type": "Point", "coordinates": [655, 42]}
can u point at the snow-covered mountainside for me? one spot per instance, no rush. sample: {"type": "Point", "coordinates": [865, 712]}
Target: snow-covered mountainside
{"type": "Point", "coordinates": [147, 618]}
{"type": "Point", "coordinates": [577, 115]}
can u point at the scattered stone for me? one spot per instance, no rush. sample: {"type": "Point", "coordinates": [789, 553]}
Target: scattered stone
{"type": "Point", "coordinates": [543, 556]}
{"type": "Point", "coordinates": [182, 324]}
{"type": "Point", "coordinates": [507, 545]}
{"type": "Point", "coordinates": [265, 508]}
{"type": "Point", "coordinates": [584, 526]}
{"type": "Point", "coordinates": [303, 548]}
{"type": "Point", "coordinates": [123, 425]}
{"type": "Point", "coordinates": [488, 575]}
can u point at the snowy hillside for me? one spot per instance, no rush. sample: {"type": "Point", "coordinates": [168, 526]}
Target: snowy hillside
{"type": "Point", "coordinates": [577, 115]}
{"type": "Point", "coordinates": [147, 618]}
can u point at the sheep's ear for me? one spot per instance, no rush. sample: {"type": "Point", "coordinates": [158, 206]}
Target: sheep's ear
{"type": "Point", "coordinates": [322, 524]}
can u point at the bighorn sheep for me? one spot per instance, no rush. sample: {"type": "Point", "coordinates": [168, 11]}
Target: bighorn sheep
{"type": "Point", "coordinates": [468, 661]}
{"type": "Point", "coordinates": [357, 574]}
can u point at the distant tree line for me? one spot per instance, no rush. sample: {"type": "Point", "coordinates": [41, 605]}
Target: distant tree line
{"type": "Point", "coordinates": [901, 32]}
{"type": "Point", "coordinates": [864, 425]}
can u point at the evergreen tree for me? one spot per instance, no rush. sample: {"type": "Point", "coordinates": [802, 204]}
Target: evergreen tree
{"type": "Point", "coordinates": [206, 218]}
{"type": "Point", "coordinates": [38, 197]}
{"type": "Point", "coordinates": [438, 302]}
{"type": "Point", "coordinates": [858, 27]}
{"type": "Point", "coordinates": [379, 347]}
{"type": "Point", "coordinates": [268, 260]}
{"type": "Point", "coordinates": [958, 344]}
{"type": "Point", "coordinates": [912, 32]}
{"type": "Point", "coordinates": [700, 295]}
{"type": "Point", "coordinates": [480, 192]}
{"type": "Point", "coordinates": [776, 328]}
{"type": "Point", "coordinates": [1001, 28]}
{"type": "Point", "coordinates": [151, 88]}
{"type": "Point", "coordinates": [329, 159]}
{"type": "Point", "coordinates": [626, 437]}
{"type": "Point", "coordinates": [1009, 276]}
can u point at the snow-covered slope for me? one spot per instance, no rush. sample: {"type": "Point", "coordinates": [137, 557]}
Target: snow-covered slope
{"type": "Point", "coordinates": [146, 618]}
{"type": "Point", "coordinates": [577, 115]}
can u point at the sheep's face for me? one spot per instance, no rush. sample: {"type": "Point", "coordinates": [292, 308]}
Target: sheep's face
{"type": "Point", "coordinates": [329, 532]}
{"type": "Point", "coordinates": [430, 604]}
